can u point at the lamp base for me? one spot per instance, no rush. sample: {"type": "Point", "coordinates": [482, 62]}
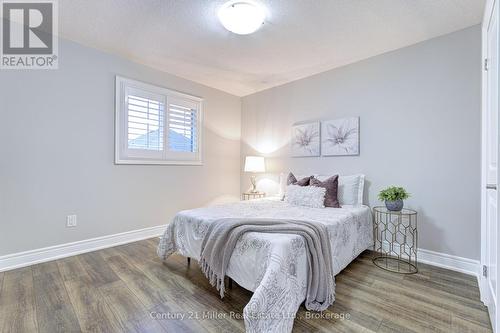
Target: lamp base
{"type": "Point", "coordinates": [254, 184]}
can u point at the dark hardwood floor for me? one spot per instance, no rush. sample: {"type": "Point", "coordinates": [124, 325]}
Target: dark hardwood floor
{"type": "Point", "coordinates": [120, 289]}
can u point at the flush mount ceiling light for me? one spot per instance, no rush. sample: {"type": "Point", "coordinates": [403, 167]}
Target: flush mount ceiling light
{"type": "Point", "coordinates": [242, 16]}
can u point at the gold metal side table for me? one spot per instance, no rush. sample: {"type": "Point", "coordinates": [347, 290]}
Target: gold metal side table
{"type": "Point", "coordinates": [396, 239]}
{"type": "Point", "coordinates": [252, 195]}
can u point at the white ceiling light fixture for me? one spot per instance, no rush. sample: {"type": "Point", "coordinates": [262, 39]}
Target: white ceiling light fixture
{"type": "Point", "coordinates": [242, 17]}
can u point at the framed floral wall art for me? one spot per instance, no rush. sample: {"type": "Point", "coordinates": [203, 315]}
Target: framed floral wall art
{"type": "Point", "coordinates": [340, 137]}
{"type": "Point", "coordinates": [306, 140]}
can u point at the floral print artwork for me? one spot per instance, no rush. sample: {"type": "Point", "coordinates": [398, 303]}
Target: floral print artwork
{"type": "Point", "coordinates": [305, 140]}
{"type": "Point", "coordinates": [340, 137]}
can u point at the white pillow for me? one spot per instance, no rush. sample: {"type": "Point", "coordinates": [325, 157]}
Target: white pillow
{"type": "Point", "coordinates": [309, 196]}
{"type": "Point", "coordinates": [283, 184]}
{"type": "Point", "coordinates": [350, 188]}
{"type": "Point", "coordinates": [282, 189]}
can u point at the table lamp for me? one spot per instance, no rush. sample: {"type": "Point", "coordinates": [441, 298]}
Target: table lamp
{"type": "Point", "coordinates": [254, 164]}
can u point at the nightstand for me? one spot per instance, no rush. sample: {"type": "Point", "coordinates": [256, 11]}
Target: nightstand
{"type": "Point", "coordinates": [395, 237]}
{"type": "Point", "coordinates": [252, 195]}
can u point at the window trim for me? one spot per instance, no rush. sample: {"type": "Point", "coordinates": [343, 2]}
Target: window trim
{"type": "Point", "coordinates": [121, 83]}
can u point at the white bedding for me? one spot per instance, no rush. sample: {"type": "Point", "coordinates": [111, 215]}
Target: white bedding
{"type": "Point", "coordinates": [273, 266]}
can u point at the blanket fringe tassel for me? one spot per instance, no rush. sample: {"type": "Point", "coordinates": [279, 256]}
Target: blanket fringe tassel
{"type": "Point", "coordinates": [215, 280]}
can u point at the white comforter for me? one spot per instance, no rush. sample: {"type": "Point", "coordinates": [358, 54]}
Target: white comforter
{"type": "Point", "coordinates": [273, 266]}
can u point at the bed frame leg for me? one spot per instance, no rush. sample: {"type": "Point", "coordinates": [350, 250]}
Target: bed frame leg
{"type": "Point", "coordinates": [230, 284]}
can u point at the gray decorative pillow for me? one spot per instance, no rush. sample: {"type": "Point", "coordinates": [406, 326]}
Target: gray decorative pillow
{"type": "Point", "coordinates": [331, 185]}
{"type": "Point", "coordinates": [307, 196]}
{"type": "Point", "coordinates": [291, 180]}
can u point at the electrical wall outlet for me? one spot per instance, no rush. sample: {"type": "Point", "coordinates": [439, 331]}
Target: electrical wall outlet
{"type": "Point", "coordinates": [71, 221]}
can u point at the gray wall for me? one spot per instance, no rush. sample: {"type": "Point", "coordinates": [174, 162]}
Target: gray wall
{"type": "Point", "coordinates": [57, 154]}
{"type": "Point", "coordinates": [419, 111]}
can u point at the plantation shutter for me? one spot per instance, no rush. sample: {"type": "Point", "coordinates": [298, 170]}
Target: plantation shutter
{"type": "Point", "coordinates": [156, 126]}
{"type": "Point", "coordinates": [183, 120]}
{"type": "Point", "coordinates": [144, 123]}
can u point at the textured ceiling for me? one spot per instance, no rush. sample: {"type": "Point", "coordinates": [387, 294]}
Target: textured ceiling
{"type": "Point", "coordinates": [299, 38]}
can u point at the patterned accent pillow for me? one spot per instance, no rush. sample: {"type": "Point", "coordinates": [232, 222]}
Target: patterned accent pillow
{"type": "Point", "coordinates": [291, 180]}
{"type": "Point", "coordinates": [308, 196]}
{"type": "Point", "coordinates": [331, 185]}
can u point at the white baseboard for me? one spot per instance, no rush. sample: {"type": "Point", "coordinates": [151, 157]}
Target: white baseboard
{"type": "Point", "coordinates": [22, 259]}
{"type": "Point", "coordinates": [455, 263]}
{"type": "Point", "coordinates": [443, 260]}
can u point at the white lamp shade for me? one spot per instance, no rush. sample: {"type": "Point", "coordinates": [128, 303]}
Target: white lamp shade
{"type": "Point", "coordinates": [255, 164]}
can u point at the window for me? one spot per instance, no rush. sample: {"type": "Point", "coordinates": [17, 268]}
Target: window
{"type": "Point", "coordinates": [155, 125]}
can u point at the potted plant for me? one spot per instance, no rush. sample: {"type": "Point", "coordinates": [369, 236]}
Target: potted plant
{"type": "Point", "coordinates": [393, 197]}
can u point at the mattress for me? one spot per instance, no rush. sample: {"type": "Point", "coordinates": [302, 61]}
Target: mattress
{"type": "Point", "coordinates": [273, 266]}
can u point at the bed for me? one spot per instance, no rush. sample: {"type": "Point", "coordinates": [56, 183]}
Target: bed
{"type": "Point", "coordinates": [272, 266]}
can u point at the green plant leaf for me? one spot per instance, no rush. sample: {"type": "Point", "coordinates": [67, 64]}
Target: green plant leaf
{"type": "Point", "coordinates": [393, 193]}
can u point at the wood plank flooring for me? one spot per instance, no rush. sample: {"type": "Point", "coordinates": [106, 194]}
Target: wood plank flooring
{"type": "Point", "coordinates": [118, 289]}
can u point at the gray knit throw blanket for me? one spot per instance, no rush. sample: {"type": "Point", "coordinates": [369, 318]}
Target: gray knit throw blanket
{"type": "Point", "coordinates": [222, 236]}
